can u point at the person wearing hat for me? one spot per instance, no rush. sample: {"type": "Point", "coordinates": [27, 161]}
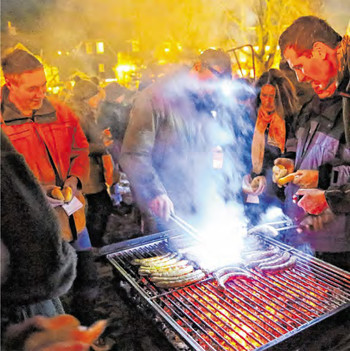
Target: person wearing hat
{"type": "Point", "coordinates": [84, 102]}
{"type": "Point", "coordinates": [114, 114]}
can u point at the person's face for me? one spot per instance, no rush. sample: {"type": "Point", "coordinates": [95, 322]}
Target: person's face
{"type": "Point", "coordinates": [28, 92]}
{"type": "Point", "coordinates": [95, 100]}
{"type": "Point", "coordinates": [313, 68]}
{"type": "Point", "coordinates": [267, 97]}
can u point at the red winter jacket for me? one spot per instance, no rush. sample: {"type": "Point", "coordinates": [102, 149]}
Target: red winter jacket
{"type": "Point", "coordinates": [53, 127]}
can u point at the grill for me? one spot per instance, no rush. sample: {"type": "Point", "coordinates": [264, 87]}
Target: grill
{"type": "Point", "coordinates": [250, 314]}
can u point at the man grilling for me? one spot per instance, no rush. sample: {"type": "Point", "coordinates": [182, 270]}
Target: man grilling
{"type": "Point", "coordinates": [168, 145]}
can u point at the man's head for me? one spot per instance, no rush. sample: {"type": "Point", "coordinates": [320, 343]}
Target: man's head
{"type": "Point", "coordinates": [310, 46]}
{"type": "Point", "coordinates": [25, 79]}
{"type": "Point", "coordinates": [213, 64]}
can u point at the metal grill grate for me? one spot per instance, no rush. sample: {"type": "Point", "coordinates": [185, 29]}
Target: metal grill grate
{"type": "Point", "coordinates": [249, 315]}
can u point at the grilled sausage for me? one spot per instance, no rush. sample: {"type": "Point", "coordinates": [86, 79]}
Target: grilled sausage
{"type": "Point", "coordinates": [151, 260]}
{"type": "Point", "coordinates": [145, 270]}
{"type": "Point", "coordinates": [279, 260]}
{"type": "Point", "coordinates": [177, 272]}
{"type": "Point", "coordinates": [280, 267]}
{"type": "Point", "coordinates": [231, 276]}
{"type": "Point", "coordinates": [225, 270]}
{"type": "Point", "coordinates": [259, 255]}
{"type": "Point", "coordinates": [252, 264]}
{"type": "Point", "coordinates": [182, 281]}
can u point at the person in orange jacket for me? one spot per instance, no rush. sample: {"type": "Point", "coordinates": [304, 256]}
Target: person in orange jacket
{"type": "Point", "coordinates": [48, 134]}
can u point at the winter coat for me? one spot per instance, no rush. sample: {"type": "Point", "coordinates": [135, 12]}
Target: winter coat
{"type": "Point", "coordinates": [41, 265]}
{"type": "Point", "coordinates": [87, 119]}
{"type": "Point", "coordinates": [319, 145]}
{"type": "Point", "coordinates": [53, 128]}
{"type": "Point", "coordinates": [168, 144]}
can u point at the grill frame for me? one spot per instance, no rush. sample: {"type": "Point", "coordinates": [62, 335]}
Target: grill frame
{"type": "Point", "coordinates": [159, 243]}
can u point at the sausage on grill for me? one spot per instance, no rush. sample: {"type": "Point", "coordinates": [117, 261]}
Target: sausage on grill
{"type": "Point", "coordinates": [232, 276]}
{"type": "Point", "coordinates": [280, 266]}
{"type": "Point", "coordinates": [181, 281]}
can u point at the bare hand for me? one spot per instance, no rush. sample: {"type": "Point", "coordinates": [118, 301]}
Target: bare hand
{"type": "Point", "coordinates": [316, 223]}
{"type": "Point", "coordinates": [287, 163]}
{"type": "Point", "coordinates": [282, 167]}
{"type": "Point", "coordinates": [313, 200]}
{"type": "Point", "coordinates": [162, 206]}
{"type": "Point", "coordinates": [306, 178]}
{"type": "Point", "coordinates": [52, 201]}
{"type": "Point", "coordinates": [255, 186]}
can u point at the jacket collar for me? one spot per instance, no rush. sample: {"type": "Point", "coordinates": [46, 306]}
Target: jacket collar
{"type": "Point", "coordinates": [12, 116]}
{"type": "Point", "coordinates": [329, 107]}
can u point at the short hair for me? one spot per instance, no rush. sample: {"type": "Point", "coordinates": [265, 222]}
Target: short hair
{"type": "Point", "coordinates": [19, 61]}
{"type": "Point", "coordinates": [286, 99]}
{"type": "Point", "coordinates": [217, 57]}
{"type": "Point", "coordinates": [307, 30]}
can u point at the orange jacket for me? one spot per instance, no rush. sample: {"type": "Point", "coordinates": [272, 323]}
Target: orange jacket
{"type": "Point", "coordinates": [53, 127]}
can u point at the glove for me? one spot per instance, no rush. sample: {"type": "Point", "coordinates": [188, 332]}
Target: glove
{"type": "Point", "coordinates": [162, 206]}
{"type": "Point", "coordinates": [306, 179]}
{"type": "Point", "coordinates": [313, 201]}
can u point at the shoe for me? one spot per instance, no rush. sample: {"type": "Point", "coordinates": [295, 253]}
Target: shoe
{"type": "Point", "coordinates": [100, 345]}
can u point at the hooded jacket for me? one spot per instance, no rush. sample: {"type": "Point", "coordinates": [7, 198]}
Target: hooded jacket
{"type": "Point", "coordinates": [53, 131]}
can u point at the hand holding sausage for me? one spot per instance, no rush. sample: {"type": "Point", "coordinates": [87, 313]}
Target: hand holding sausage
{"type": "Point", "coordinates": [306, 178]}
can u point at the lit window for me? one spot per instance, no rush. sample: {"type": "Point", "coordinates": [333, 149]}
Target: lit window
{"type": "Point", "coordinates": [100, 48]}
{"type": "Point", "coordinates": [101, 67]}
{"type": "Point", "coordinates": [89, 48]}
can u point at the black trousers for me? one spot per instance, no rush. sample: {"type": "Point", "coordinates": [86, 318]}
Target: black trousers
{"type": "Point", "coordinates": [99, 209]}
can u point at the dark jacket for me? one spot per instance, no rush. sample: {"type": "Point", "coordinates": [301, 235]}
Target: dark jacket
{"type": "Point", "coordinates": [168, 146]}
{"type": "Point", "coordinates": [87, 119]}
{"type": "Point", "coordinates": [319, 144]}
{"type": "Point", "coordinates": [42, 265]}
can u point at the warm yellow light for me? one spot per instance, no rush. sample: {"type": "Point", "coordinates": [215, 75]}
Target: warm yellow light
{"type": "Point", "coordinates": [108, 80]}
{"type": "Point", "coordinates": [166, 49]}
{"type": "Point", "coordinates": [244, 72]}
{"type": "Point", "coordinates": [243, 59]}
{"type": "Point", "coordinates": [277, 47]}
{"type": "Point", "coordinates": [246, 49]}
{"type": "Point", "coordinates": [267, 47]}
{"type": "Point", "coordinates": [59, 53]}
{"type": "Point", "coordinates": [125, 68]}
{"type": "Point", "coordinates": [101, 67]}
{"type": "Point", "coordinates": [179, 46]}
{"type": "Point", "coordinates": [256, 48]}
{"type": "Point", "coordinates": [100, 47]}
{"type": "Point", "coordinates": [56, 90]}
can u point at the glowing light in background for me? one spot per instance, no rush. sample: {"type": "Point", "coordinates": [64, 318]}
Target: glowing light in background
{"type": "Point", "coordinates": [100, 47]}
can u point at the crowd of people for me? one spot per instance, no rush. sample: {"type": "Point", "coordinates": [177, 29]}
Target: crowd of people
{"type": "Point", "coordinates": [61, 161]}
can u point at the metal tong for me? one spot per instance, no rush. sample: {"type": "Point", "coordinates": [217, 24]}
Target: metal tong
{"type": "Point", "coordinates": [188, 228]}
